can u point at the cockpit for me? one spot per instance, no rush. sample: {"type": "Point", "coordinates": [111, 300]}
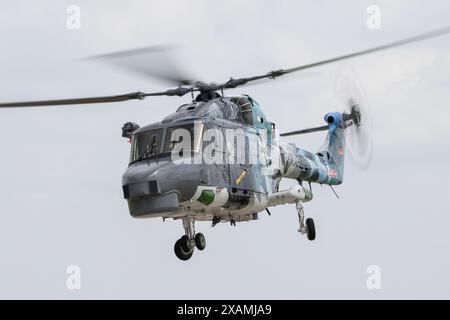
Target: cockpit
{"type": "Point", "coordinates": [159, 143]}
{"type": "Point", "coordinates": [182, 131]}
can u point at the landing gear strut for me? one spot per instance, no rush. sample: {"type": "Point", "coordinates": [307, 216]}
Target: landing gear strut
{"type": "Point", "coordinates": [307, 228]}
{"type": "Point", "coordinates": [184, 247]}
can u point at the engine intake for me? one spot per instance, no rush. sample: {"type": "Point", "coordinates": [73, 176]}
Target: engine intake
{"type": "Point", "coordinates": [333, 118]}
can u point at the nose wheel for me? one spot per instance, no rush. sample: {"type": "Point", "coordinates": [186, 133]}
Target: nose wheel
{"type": "Point", "coordinates": [184, 247]}
{"type": "Point", "coordinates": [307, 228]}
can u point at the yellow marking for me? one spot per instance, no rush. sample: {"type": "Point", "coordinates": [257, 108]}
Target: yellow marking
{"type": "Point", "coordinates": [241, 176]}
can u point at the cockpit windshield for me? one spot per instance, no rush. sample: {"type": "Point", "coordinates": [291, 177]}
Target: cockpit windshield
{"type": "Point", "coordinates": [184, 139]}
{"type": "Point", "coordinates": [145, 145]}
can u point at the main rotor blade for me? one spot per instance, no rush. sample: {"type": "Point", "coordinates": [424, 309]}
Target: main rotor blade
{"type": "Point", "coordinates": [152, 61]}
{"type": "Point", "coordinates": [180, 91]}
{"type": "Point", "coordinates": [292, 133]}
{"type": "Point", "coordinates": [233, 83]}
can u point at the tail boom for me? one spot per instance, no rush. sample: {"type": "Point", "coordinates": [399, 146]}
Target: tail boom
{"type": "Point", "coordinates": [325, 166]}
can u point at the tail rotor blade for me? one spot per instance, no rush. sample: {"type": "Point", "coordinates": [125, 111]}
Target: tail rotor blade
{"type": "Point", "coordinates": [349, 93]}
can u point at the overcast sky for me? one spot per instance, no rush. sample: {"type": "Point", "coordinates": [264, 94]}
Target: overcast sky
{"type": "Point", "coordinates": [61, 199]}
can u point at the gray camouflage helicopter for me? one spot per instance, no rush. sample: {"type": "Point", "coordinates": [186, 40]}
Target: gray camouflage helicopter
{"type": "Point", "coordinates": [219, 159]}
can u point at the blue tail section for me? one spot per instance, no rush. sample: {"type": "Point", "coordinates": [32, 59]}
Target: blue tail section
{"type": "Point", "coordinates": [333, 150]}
{"type": "Point", "coordinates": [327, 165]}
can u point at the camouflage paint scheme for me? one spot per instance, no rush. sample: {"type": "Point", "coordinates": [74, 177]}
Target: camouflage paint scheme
{"type": "Point", "coordinates": [162, 187]}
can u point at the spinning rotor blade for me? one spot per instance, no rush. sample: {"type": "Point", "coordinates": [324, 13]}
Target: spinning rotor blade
{"type": "Point", "coordinates": [180, 91]}
{"type": "Point", "coordinates": [165, 69]}
{"type": "Point", "coordinates": [292, 133]}
{"type": "Point", "coordinates": [152, 61]}
{"type": "Point", "coordinates": [233, 83]}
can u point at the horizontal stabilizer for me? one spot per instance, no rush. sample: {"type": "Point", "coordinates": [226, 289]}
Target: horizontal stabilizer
{"type": "Point", "coordinates": [292, 133]}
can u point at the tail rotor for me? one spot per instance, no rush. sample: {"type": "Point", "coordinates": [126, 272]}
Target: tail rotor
{"type": "Point", "coordinates": [349, 95]}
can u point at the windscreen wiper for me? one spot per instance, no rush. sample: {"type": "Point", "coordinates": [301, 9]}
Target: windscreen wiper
{"type": "Point", "coordinates": [150, 150]}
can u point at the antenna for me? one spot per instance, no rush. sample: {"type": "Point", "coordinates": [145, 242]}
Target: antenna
{"type": "Point", "coordinates": [337, 196]}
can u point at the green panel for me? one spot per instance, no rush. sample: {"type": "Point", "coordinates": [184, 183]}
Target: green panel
{"type": "Point", "coordinates": [207, 197]}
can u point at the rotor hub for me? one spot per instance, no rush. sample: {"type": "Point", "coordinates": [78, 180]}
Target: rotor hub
{"type": "Point", "coordinates": [356, 115]}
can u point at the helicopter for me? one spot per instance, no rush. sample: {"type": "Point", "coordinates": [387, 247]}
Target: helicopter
{"type": "Point", "coordinates": [219, 159]}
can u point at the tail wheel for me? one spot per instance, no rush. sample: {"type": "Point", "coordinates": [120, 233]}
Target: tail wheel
{"type": "Point", "coordinates": [180, 252]}
{"type": "Point", "coordinates": [200, 241]}
{"type": "Point", "coordinates": [310, 229]}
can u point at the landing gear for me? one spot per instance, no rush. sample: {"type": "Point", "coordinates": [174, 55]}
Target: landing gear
{"type": "Point", "coordinates": [180, 252]}
{"type": "Point", "coordinates": [185, 243]}
{"type": "Point", "coordinates": [184, 247]}
{"type": "Point", "coordinates": [200, 241]}
{"type": "Point", "coordinates": [309, 229]}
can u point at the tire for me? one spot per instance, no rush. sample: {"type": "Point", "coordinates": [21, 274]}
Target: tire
{"type": "Point", "coordinates": [180, 252]}
{"type": "Point", "coordinates": [200, 241]}
{"type": "Point", "coordinates": [310, 229]}
{"type": "Point", "coordinates": [185, 243]}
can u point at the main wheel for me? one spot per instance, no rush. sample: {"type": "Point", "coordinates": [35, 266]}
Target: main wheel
{"type": "Point", "coordinates": [310, 229]}
{"type": "Point", "coordinates": [185, 243]}
{"type": "Point", "coordinates": [180, 252]}
{"type": "Point", "coordinates": [200, 241]}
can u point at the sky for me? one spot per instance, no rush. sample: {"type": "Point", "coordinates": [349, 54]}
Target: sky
{"type": "Point", "coordinates": [61, 167]}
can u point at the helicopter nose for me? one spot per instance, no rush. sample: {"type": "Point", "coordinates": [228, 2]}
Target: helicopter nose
{"type": "Point", "coordinates": [156, 189]}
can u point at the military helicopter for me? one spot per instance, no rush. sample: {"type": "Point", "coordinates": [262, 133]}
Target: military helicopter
{"type": "Point", "coordinates": [219, 159]}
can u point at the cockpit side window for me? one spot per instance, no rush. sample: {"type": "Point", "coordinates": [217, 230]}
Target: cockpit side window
{"type": "Point", "coordinates": [169, 144]}
{"type": "Point", "coordinates": [245, 107]}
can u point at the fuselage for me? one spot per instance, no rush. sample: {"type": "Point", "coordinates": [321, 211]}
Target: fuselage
{"type": "Point", "coordinates": [216, 159]}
